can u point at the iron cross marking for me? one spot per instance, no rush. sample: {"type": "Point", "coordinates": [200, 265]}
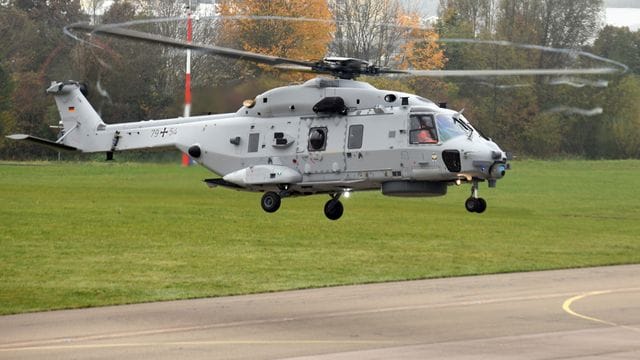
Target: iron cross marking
{"type": "Point", "coordinates": [163, 132]}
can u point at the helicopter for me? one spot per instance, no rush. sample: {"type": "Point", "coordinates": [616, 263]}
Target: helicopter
{"type": "Point", "coordinates": [329, 136]}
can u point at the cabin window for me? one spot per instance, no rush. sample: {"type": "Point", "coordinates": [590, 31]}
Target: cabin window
{"type": "Point", "coordinates": [254, 141]}
{"type": "Point", "coordinates": [422, 129]}
{"type": "Point", "coordinates": [317, 138]}
{"type": "Point", "coordinates": [355, 136]}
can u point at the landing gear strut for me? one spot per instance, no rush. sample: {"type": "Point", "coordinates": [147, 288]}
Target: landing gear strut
{"type": "Point", "coordinates": [475, 203]}
{"type": "Point", "coordinates": [270, 202]}
{"type": "Point", "coordinates": [333, 209]}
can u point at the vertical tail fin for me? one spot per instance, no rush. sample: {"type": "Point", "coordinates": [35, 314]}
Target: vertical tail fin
{"type": "Point", "coordinates": [78, 118]}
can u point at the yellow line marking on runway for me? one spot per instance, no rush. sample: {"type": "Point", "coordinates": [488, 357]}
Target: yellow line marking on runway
{"type": "Point", "coordinates": [566, 306]}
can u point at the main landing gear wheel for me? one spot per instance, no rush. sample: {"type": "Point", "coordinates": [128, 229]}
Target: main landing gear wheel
{"type": "Point", "coordinates": [477, 205]}
{"type": "Point", "coordinates": [333, 209]}
{"type": "Point", "coordinates": [270, 202]}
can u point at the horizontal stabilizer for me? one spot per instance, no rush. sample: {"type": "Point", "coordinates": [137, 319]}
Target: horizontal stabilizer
{"type": "Point", "coordinates": [48, 143]}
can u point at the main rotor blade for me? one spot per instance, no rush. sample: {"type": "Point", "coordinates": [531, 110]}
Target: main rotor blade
{"type": "Point", "coordinates": [321, 66]}
{"type": "Point", "coordinates": [507, 72]}
{"type": "Point", "coordinates": [210, 49]}
{"type": "Point", "coordinates": [298, 68]}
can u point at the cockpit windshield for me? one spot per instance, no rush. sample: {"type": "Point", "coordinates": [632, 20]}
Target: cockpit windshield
{"type": "Point", "coordinates": [450, 127]}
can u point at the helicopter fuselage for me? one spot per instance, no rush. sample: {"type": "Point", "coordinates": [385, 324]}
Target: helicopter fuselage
{"type": "Point", "coordinates": [324, 136]}
{"type": "Point", "coordinates": [279, 140]}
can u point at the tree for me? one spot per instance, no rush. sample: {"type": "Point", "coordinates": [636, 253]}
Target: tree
{"type": "Point", "coordinates": [6, 105]}
{"type": "Point", "coordinates": [515, 110]}
{"type": "Point", "coordinates": [385, 33]}
{"type": "Point", "coordinates": [554, 23]}
{"type": "Point", "coordinates": [389, 34]}
{"type": "Point", "coordinates": [92, 6]}
{"type": "Point", "coordinates": [6, 89]}
{"type": "Point", "coordinates": [619, 125]}
{"type": "Point", "coordinates": [420, 48]}
{"type": "Point", "coordinates": [129, 81]}
{"type": "Point", "coordinates": [368, 29]}
{"type": "Point", "coordinates": [479, 14]}
{"type": "Point", "coordinates": [30, 53]}
{"type": "Point", "coordinates": [305, 40]}
{"type": "Point", "coordinates": [620, 44]}
{"type": "Point", "coordinates": [619, 133]}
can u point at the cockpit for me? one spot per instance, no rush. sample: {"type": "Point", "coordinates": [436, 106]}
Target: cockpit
{"type": "Point", "coordinates": [431, 129]}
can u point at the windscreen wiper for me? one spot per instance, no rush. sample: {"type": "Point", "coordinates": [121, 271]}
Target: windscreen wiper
{"type": "Point", "coordinates": [464, 125]}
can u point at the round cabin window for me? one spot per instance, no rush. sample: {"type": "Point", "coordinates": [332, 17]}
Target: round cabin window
{"type": "Point", "coordinates": [317, 139]}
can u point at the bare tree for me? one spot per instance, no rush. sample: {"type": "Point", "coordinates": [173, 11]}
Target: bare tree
{"type": "Point", "coordinates": [92, 7]}
{"type": "Point", "coordinates": [481, 14]}
{"type": "Point", "coordinates": [368, 29]}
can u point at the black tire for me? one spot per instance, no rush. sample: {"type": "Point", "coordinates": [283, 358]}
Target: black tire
{"type": "Point", "coordinates": [471, 204]}
{"type": "Point", "coordinates": [482, 206]}
{"type": "Point", "coordinates": [270, 202]}
{"type": "Point", "coordinates": [478, 205]}
{"type": "Point", "coordinates": [333, 209]}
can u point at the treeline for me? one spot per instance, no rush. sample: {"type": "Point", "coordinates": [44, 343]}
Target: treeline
{"type": "Point", "coordinates": [546, 116]}
{"type": "Point", "coordinates": [532, 116]}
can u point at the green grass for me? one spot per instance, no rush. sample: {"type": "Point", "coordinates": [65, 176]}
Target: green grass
{"type": "Point", "coordinates": [90, 234]}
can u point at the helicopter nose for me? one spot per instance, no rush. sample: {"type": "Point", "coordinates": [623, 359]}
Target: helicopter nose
{"type": "Point", "coordinates": [498, 170]}
{"type": "Point", "coordinates": [500, 166]}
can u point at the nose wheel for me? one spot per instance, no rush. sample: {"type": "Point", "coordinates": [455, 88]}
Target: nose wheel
{"type": "Point", "coordinates": [333, 209]}
{"type": "Point", "coordinates": [474, 203]}
{"type": "Point", "coordinates": [478, 205]}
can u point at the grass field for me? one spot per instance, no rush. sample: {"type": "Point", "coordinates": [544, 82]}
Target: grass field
{"type": "Point", "coordinates": [89, 234]}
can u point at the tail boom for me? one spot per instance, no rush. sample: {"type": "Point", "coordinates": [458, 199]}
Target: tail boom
{"type": "Point", "coordinates": [84, 130]}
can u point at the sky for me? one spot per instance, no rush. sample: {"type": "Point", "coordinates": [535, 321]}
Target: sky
{"type": "Point", "coordinates": [624, 17]}
{"type": "Point", "coordinates": [622, 3]}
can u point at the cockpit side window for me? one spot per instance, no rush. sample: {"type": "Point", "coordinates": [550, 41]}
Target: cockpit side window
{"type": "Point", "coordinates": [355, 136]}
{"type": "Point", "coordinates": [422, 129]}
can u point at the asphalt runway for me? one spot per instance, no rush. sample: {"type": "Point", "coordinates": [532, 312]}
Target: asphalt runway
{"type": "Point", "coordinates": [591, 313]}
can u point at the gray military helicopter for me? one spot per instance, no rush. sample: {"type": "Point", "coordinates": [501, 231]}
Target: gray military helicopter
{"type": "Point", "coordinates": [325, 136]}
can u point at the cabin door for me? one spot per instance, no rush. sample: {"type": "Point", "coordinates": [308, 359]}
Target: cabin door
{"type": "Point", "coordinates": [321, 145]}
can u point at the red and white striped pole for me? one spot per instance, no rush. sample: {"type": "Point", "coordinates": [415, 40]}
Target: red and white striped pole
{"type": "Point", "coordinates": [186, 160]}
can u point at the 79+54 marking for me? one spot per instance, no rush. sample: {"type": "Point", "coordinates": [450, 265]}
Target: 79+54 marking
{"type": "Point", "coordinates": [163, 132]}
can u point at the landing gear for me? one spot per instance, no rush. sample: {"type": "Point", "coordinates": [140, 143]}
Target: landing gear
{"type": "Point", "coordinates": [474, 203]}
{"type": "Point", "coordinates": [270, 202]}
{"type": "Point", "coordinates": [478, 205]}
{"type": "Point", "coordinates": [333, 209]}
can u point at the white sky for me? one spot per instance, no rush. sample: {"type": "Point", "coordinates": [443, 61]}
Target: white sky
{"type": "Point", "coordinates": [624, 17]}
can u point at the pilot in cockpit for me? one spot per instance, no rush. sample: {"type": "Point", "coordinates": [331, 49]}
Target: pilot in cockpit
{"type": "Point", "coordinates": [426, 132]}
